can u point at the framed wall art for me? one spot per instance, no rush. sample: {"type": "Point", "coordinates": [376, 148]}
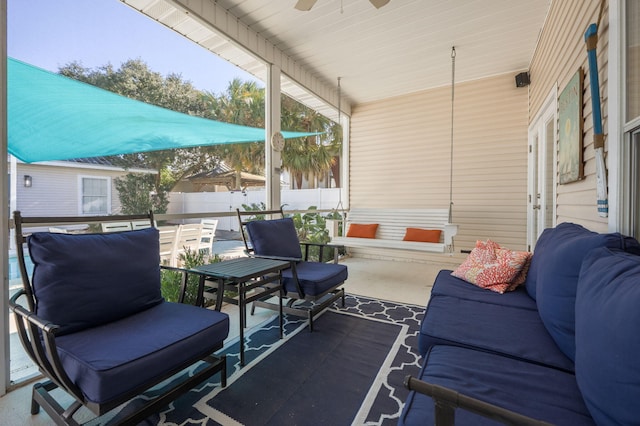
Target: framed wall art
{"type": "Point", "coordinates": [571, 166]}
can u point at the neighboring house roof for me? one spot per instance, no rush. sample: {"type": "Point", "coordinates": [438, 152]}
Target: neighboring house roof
{"type": "Point", "coordinates": [225, 176]}
{"type": "Point", "coordinates": [95, 163]}
{"type": "Point", "coordinates": [101, 161]}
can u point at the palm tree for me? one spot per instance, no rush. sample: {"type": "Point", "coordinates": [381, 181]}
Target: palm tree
{"type": "Point", "coordinates": [242, 103]}
{"type": "Point", "coordinates": [310, 156]}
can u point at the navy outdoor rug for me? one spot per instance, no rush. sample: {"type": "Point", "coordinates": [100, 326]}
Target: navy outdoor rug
{"type": "Point", "coordinates": [350, 370]}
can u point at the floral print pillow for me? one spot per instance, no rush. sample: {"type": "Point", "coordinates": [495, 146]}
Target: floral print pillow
{"type": "Point", "coordinates": [494, 268]}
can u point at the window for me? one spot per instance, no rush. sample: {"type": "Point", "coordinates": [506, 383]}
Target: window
{"type": "Point", "coordinates": [632, 72]}
{"type": "Point", "coordinates": [631, 149]}
{"type": "Point", "coordinates": [95, 195]}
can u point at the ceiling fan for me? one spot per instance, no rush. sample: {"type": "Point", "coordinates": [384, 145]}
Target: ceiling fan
{"type": "Point", "coordinates": [305, 5]}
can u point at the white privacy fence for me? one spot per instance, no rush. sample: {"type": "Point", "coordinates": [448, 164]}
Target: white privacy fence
{"type": "Point", "coordinates": [220, 202]}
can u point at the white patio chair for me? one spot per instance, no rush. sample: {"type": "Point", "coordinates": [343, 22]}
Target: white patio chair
{"type": "Point", "coordinates": [56, 230]}
{"type": "Point", "coordinates": [168, 241]}
{"type": "Point", "coordinates": [115, 226]}
{"type": "Point", "coordinates": [140, 224]}
{"type": "Point", "coordinates": [208, 234]}
{"type": "Point", "coordinates": [188, 238]}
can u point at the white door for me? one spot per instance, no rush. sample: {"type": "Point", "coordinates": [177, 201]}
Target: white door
{"type": "Point", "coordinates": [541, 206]}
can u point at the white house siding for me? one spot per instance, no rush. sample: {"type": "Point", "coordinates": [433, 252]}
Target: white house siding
{"type": "Point", "coordinates": [55, 189]}
{"type": "Point", "coordinates": [561, 51]}
{"type": "Point", "coordinates": [400, 157]}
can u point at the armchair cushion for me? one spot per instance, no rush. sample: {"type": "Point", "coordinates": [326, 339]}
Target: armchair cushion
{"type": "Point", "coordinates": [275, 237]}
{"type": "Point", "coordinates": [139, 348]}
{"type": "Point", "coordinates": [315, 278]}
{"type": "Point", "coordinates": [81, 281]}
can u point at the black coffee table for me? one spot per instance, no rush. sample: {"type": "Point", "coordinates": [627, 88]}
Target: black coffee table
{"type": "Point", "coordinates": [243, 274]}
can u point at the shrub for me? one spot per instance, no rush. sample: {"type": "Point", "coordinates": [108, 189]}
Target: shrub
{"type": "Point", "coordinates": [171, 279]}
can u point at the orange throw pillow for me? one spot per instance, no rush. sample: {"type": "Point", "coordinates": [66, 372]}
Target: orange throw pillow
{"type": "Point", "coordinates": [362, 231]}
{"type": "Point", "coordinates": [422, 235]}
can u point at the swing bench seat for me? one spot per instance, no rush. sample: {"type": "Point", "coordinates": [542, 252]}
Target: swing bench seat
{"type": "Point", "coordinates": [392, 227]}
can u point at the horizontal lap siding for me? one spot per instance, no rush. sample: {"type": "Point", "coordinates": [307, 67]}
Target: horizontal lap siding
{"type": "Point", "coordinates": [400, 158]}
{"type": "Point", "coordinates": [561, 52]}
{"type": "Point", "coordinates": [55, 189]}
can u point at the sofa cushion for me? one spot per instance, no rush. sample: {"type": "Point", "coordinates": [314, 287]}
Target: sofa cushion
{"type": "Point", "coordinates": [139, 348]}
{"type": "Point", "coordinates": [536, 391]}
{"type": "Point", "coordinates": [607, 336]}
{"type": "Point", "coordinates": [532, 276]}
{"type": "Point", "coordinates": [315, 278]}
{"type": "Point", "coordinates": [81, 281]}
{"type": "Point", "coordinates": [558, 266]}
{"type": "Point", "coordinates": [275, 237]}
{"type": "Point", "coordinates": [507, 330]}
{"type": "Point", "coordinates": [448, 285]}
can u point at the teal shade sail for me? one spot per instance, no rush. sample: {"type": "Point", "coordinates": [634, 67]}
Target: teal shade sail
{"type": "Point", "coordinates": [52, 117]}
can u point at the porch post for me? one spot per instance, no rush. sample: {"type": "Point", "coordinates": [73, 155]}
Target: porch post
{"type": "Point", "coordinates": [273, 159]}
{"type": "Point", "coordinates": [4, 212]}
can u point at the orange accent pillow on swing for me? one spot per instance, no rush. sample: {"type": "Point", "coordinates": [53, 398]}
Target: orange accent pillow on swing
{"type": "Point", "coordinates": [362, 230]}
{"type": "Point", "coordinates": [422, 235]}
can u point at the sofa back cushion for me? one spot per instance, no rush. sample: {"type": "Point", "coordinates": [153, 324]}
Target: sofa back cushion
{"type": "Point", "coordinates": [538, 254]}
{"type": "Point", "coordinates": [81, 281]}
{"type": "Point", "coordinates": [558, 268]}
{"type": "Point", "coordinates": [607, 342]}
{"type": "Point", "coordinates": [275, 237]}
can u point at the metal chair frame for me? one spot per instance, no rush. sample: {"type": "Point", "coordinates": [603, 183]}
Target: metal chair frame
{"type": "Point", "coordinates": [38, 337]}
{"type": "Point", "coordinates": [447, 400]}
{"type": "Point", "coordinates": [299, 303]}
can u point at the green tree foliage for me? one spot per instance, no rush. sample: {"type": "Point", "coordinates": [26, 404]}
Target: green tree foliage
{"type": "Point", "coordinates": [138, 194]}
{"type": "Point", "coordinates": [242, 103]}
{"type": "Point", "coordinates": [313, 155]}
{"type": "Point", "coordinates": [135, 80]}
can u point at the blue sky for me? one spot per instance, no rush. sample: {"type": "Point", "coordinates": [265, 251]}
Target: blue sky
{"type": "Point", "coordinates": [51, 33]}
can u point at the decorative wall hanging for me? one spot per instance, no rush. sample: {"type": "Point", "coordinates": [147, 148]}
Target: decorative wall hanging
{"type": "Point", "coordinates": [571, 167]}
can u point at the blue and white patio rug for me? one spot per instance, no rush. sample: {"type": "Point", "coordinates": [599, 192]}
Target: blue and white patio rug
{"type": "Point", "coordinates": [349, 370]}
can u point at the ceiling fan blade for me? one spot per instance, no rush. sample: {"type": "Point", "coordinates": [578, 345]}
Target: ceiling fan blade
{"type": "Point", "coordinates": [379, 3]}
{"type": "Point", "coordinates": [305, 5]}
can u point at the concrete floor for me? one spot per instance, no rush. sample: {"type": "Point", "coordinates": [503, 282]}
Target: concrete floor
{"type": "Point", "coordinates": [395, 281]}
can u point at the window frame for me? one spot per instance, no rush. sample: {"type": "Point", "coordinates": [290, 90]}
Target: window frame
{"type": "Point", "coordinates": [81, 195]}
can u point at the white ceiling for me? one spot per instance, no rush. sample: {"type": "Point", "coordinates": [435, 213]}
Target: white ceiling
{"type": "Point", "coordinates": [401, 48]}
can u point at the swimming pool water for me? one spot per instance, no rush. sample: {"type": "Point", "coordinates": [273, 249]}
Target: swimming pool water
{"type": "Point", "coordinates": [14, 270]}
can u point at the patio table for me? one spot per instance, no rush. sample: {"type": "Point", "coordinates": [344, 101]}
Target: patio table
{"type": "Point", "coordinates": [244, 274]}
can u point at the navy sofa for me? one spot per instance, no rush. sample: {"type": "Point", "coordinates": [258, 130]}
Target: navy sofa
{"type": "Point", "coordinates": [562, 349]}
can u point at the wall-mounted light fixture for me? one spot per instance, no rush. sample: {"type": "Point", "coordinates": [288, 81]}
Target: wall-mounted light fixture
{"type": "Point", "coordinates": [28, 181]}
{"type": "Point", "coordinates": [522, 79]}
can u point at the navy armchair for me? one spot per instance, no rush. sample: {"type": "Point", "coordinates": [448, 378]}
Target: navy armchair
{"type": "Point", "coordinates": [92, 318]}
{"type": "Point", "coordinates": [310, 286]}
